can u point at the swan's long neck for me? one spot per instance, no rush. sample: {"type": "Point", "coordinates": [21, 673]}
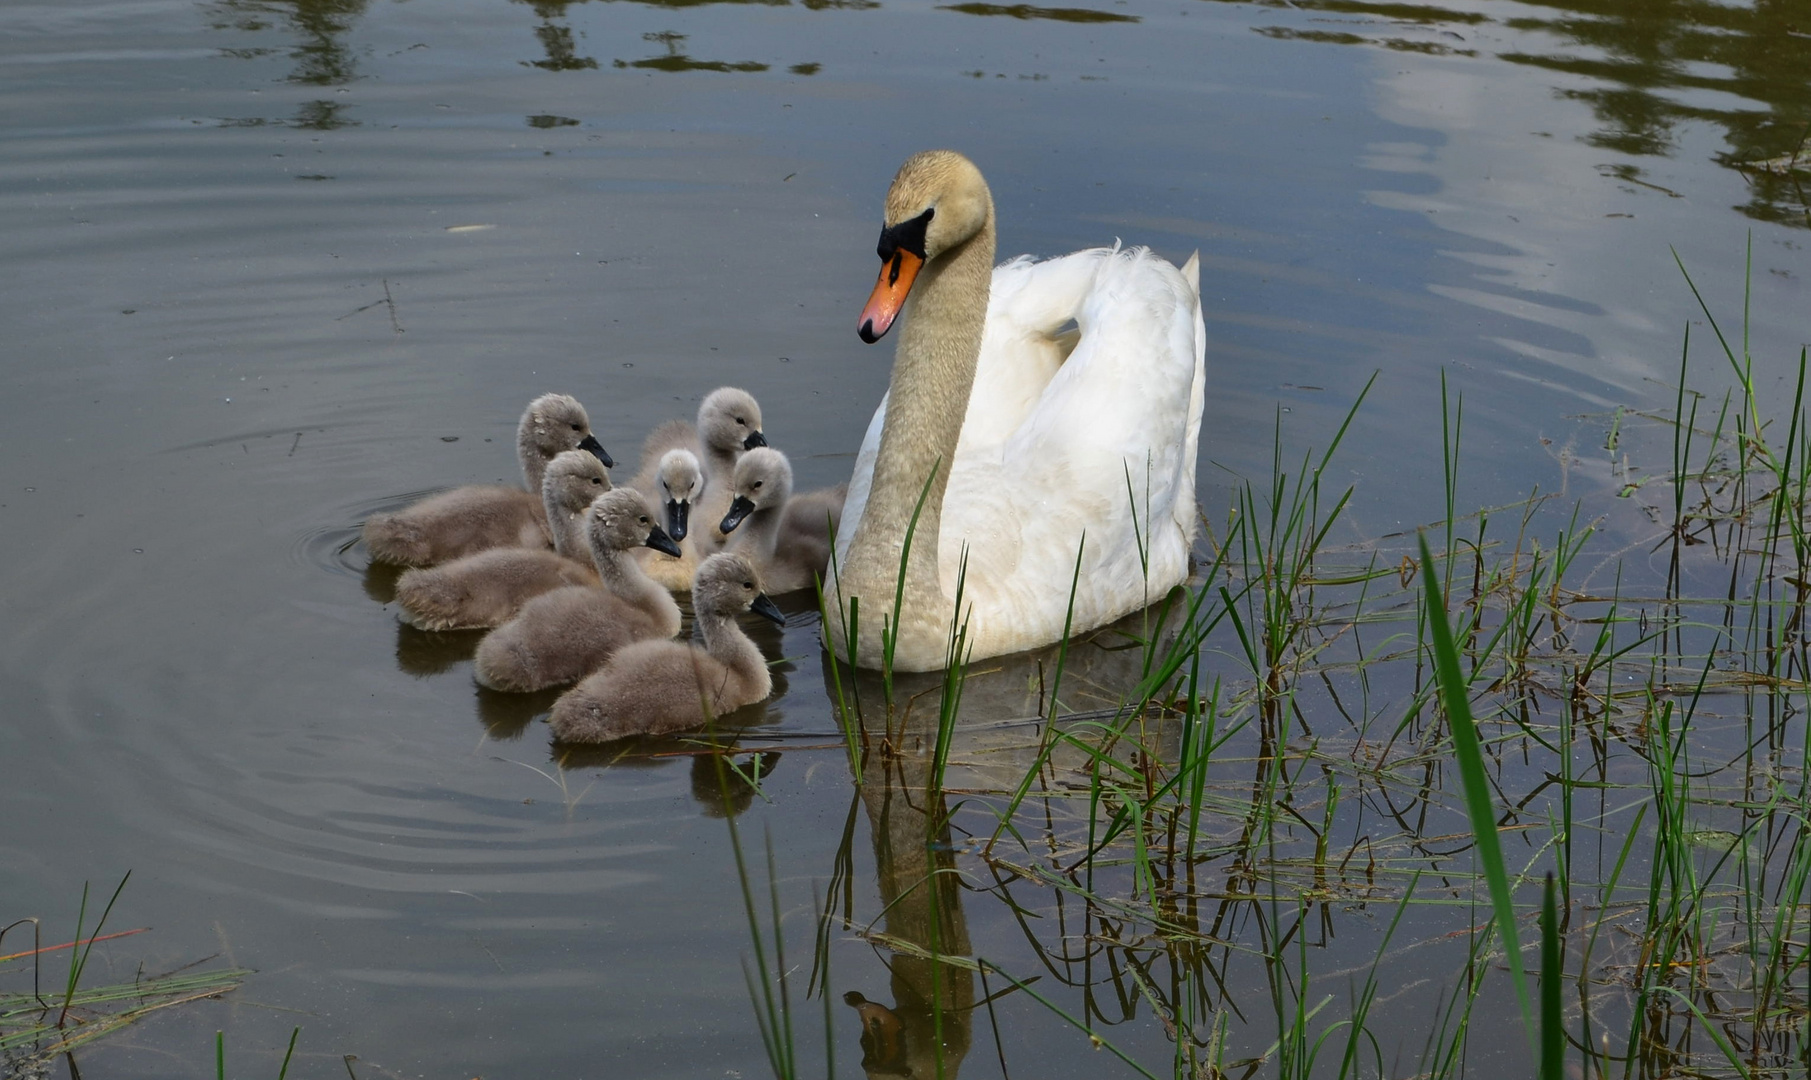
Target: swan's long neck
{"type": "Point", "coordinates": [719, 467]}
{"type": "Point", "coordinates": [568, 530]}
{"type": "Point", "coordinates": [621, 576]}
{"type": "Point", "coordinates": [534, 464]}
{"type": "Point", "coordinates": [759, 535]}
{"type": "Point", "coordinates": [725, 641]}
{"type": "Point", "coordinates": [933, 372]}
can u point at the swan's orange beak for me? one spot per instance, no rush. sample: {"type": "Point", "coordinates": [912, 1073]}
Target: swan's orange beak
{"type": "Point", "coordinates": [889, 295]}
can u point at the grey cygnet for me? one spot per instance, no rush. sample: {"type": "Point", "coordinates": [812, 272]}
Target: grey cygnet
{"type": "Point", "coordinates": [659, 687]}
{"type": "Point", "coordinates": [481, 516]}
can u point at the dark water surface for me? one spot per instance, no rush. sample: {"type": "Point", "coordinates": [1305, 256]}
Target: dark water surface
{"type": "Point", "coordinates": [272, 266]}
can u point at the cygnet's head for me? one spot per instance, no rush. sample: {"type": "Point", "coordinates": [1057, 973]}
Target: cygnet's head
{"type": "Point", "coordinates": [730, 421]}
{"type": "Point", "coordinates": [555, 422]}
{"type": "Point", "coordinates": [726, 585]}
{"type": "Point", "coordinates": [938, 200]}
{"type": "Point", "coordinates": [682, 480]}
{"type": "Point", "coordinates": [573, 479]}
{"type": "Point", "coordinates": [620, 519]}
{"type": "Point", "coordinates": [763, 478]}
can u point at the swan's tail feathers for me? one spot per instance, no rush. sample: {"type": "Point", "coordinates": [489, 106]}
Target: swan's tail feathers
{"type": "Point", "coordinates": [500, 664]}
{"type": "Point", "coordinates": [427, 600]}
{"type": "Point", "coordinates": [1191, 272]}
{"type": "Point", "coordinates": [394, 539]}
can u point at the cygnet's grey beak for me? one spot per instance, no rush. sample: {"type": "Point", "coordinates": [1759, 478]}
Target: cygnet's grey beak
{"type": "Point", "coordinates": [590, 443]}
{"type": "Point", "coordinates": [738, 510]}
{"type": "Point", "coordinates": [766, 609]}
{"type": "Point", "coordinates": [677, 514]}
{"type": "Point", "coordinates": [754, 439]}
{"type": "Point", "coordinates": [661, 542]}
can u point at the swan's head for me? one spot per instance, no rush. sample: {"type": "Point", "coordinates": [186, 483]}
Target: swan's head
{"type": "Point", "coordinates": [937, 201]}
{"type": "Point", "coordinates": [729, 421]}
{"type": "Point", "coordinates": [621, 519]}
{"type": "Point", "coordinates": [553, 423]}
{"type": "Point", "coordinates": [573, 479]}
{"type": "Point", "coordinates": [763, 478]}
{"type": "Point", "coordinates": [683, 482]}
{"type": "Point", "coordinates": [726, 585]}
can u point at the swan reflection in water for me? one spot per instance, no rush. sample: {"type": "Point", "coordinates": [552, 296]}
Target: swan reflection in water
{"type": "Point", "coordinates": [920, 893]}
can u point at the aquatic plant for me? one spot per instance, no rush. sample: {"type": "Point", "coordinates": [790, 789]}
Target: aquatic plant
{"type": "Point", "coordinates": [1498, 745]}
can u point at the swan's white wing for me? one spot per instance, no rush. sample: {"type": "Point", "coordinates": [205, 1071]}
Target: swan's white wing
{"type": "Point", "coordinates": [1029, 305]}
{"type": "Point", "coordinates": [861, 481]}
{"type": "Point", "coordinates": [1107, 450]}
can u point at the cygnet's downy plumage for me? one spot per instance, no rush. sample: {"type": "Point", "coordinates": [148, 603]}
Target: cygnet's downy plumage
{"type": "Point", "coordinates": [787, 537]}
{"type": "Point", "coordinates": [480, 516]}
{"type": "Point", "coordinates": [729, 423]}
{"type": "Point", "coordinates": [679, 486]}
{"type": "Point", "coordinates": [487, 588]}
{"type": "Point", "coordinates": [659, 687]}
{"type": "Point", "coordinates": [564, 635]}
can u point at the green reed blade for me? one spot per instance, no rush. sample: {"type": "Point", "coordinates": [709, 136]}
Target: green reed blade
{"type": "Point", "coordinates": [1553, 1025]}
{"type": "Point", "coordinates": [1471, 772]}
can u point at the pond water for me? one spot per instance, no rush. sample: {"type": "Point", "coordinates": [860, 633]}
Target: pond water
{"type": "Point", "coordinates": [272, 266]}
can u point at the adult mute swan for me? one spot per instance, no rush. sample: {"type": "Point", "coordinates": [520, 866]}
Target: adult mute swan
{"type": "Point", "coordinates": [1051, 406]}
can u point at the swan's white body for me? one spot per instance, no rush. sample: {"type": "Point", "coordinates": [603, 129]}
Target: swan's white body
{"type": "Point", "coordinates": [1064, 436]}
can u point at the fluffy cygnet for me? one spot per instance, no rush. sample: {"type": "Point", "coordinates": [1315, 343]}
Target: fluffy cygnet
{"type": "Point", "coordinates": [679, 485]}
{"type": "Point", "coordinates": [487, 588]}
{"type": "Point", "coordinates": [729, 422]}
{"type": "Point", "coordinates": [479, 516]}
{"type": "Point", "coordinates": [788, 538]}
{"type": "Point", "coordinates": [564, 635]}
{"type": "Point", "coordinates": [657, 687]}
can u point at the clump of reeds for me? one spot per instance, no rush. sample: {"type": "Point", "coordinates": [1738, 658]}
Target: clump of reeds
{"type": "Point", "coordinates": [1477, 737]}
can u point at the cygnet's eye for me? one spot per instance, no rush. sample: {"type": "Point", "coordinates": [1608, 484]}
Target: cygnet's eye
{"type": "Point", "coordinates": [643, 519]}
{"type": "Point", "coordinates": [598, 481]}
{"type": "Point", "coordinates": [748, 584]}
{"type": "Point", "coordinates": [741, 421]}
{"type": "Point", "coordinates": [758, 485]}
{"type": "Point", "coordinates": [578, 427]}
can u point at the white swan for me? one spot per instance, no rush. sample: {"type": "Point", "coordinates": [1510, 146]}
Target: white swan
{"type": "Point", "coordinates": [1052, 400]}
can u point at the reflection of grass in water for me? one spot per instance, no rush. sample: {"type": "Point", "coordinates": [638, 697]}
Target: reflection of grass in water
{"type": "Point", "coordinates": [35, 1029]}
{"type": "Point", "coordinates": [1216, 831]}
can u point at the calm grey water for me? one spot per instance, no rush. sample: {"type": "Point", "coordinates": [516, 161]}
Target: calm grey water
{"type": "Point", "coordinates": [271, 266]}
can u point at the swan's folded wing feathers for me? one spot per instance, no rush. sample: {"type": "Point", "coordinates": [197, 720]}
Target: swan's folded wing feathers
{"type": "Point", "coordinates": [1106, 450]}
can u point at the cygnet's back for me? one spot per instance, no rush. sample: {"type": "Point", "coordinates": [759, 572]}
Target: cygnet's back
{"type": "Point", "coordinates": [787, 537]}
{"type": "Point", "coordinates": [564, 635]}
{"type": "Point", "coordinates": [489, 587]}
{"type": "Point", "coordinates": [481, 516]}
{"type": "Point", "coordinates": [658, 687]}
